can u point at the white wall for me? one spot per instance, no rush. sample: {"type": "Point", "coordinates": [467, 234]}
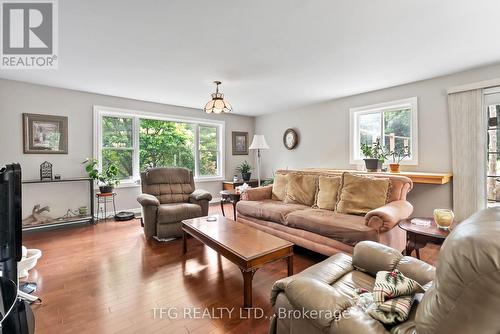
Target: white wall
{"type": "Point", "coordinates": [324, 133]}
{"type": "Point", "coordinates": [17, 98]}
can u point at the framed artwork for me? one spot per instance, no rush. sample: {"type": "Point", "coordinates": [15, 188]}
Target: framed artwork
{"type": "Point", "coordinates": [240, 143]}
{"type": "Point", "coordinates": [44, 134]}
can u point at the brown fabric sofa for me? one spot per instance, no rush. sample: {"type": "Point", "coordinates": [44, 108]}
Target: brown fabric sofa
{"type": "Point", "coordinates": [462, 294]}
{"type": "Point", "coordinates": [168, 197]}
{"type": "Point", "coordinates": [326, 231]}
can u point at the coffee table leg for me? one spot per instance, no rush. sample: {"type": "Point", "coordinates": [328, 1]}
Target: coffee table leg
{"type": "Point", "coordinates": [289, 261]}
{"type": "Point", "coordinates": [247, 286]}
{"type": "Point", "coordinates": [184, 242]}
{"type": "Point", "coordinates": [234, 210]}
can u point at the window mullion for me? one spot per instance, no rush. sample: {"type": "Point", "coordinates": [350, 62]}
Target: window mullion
{"type": "Point", "coordinates": [196, 150]}
{"type": "Point", "coordinates": [135, 141]}
{"type": "Point", "coordinates": [382, 129]}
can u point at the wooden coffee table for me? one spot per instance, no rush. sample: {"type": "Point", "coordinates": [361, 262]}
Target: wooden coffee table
{"type": "Point", "coordinates": [243, 245]}
{"type": "Point", "coordinates": [417, 236]}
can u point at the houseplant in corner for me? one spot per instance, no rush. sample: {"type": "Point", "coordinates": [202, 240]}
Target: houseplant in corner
{"type": "Point", "coordinates": [107, 180]}
{"type": "Point", "coordinates": [398, 155]}
{"type": "Point", "coordinates": [245, 170]}
{"type": "Point", "coordinates": [374, 156]}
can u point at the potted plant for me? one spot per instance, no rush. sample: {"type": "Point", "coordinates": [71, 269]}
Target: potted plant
{"type": "Point", "coordinates": [398, 155]}
{"type": "Point", "coordinates": [245, 170]}
{"type": "Point", "coordinates": [107, 180]}
{"type": "Point", "coordinates": [374, 156]}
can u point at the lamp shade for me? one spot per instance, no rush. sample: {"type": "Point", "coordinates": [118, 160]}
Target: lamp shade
{"type": "Point", "coordinates": [259, 143]}
{"type": "Point", "coordinates": [217, 104]}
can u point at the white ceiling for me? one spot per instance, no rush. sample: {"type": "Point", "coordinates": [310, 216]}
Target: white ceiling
{"type": "Point", "coordinates": [270, 55]}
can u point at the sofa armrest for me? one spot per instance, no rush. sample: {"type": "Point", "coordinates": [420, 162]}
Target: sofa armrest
{"type": "Point", "coordinates": [387, 216]}
{"type": "Point", "coordinates": [200, 194]}
{"type": "Point", "coordinates": [326, 271]}
{"type": "Point", "coordinates": [148, 200]}
{"type": "Point", "coordinates": [257, 194]}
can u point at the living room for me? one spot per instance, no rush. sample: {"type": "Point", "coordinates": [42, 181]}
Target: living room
{"type": "Point", "coordinates": [232, 167]}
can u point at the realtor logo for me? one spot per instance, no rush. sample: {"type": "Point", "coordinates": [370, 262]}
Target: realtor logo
{"type": "Point", "coordinates": [29, 34]}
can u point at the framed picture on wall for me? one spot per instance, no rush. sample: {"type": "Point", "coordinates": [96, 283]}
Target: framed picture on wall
{"type": "Point", "coordinates": [240, 143]}
{"type": "Point", "coordinates": [44, 134]}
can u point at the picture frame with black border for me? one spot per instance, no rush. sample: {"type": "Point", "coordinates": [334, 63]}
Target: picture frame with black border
{"type": "Point", "coordinates": [45, 134]}
{"type": "Point", "coordinates": [240, 142]}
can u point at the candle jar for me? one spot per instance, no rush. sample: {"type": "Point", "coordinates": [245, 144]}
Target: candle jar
{"type": "Point", "coordinates": [443, 218]}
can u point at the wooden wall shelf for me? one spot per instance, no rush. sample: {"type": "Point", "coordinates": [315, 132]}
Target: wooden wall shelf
{"type": "Point", "coordinates": [416, 177]}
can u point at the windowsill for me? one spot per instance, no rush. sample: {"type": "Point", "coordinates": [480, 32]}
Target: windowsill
{"type": "Point", "coordinates": [386, 163]}
{"type": "Point", "coordinates": [128, 184]}
{"type": "Point", "coordinates": [208, 179]}
{"type": "Point", "coordinates": [134, 184]}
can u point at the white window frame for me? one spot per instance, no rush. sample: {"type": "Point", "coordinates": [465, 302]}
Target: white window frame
{"type": "Point", "coordinates": [354, 113]}
{"type": "Point", "coordinates": [136, 115]}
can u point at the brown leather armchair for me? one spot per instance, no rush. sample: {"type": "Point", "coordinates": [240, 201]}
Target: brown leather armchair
{"type": "Point", "coordinates": [168, 197]}
{"type": "Point", "coordinates": [462, 294]}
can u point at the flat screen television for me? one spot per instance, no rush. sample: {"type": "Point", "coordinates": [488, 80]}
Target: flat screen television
{"type": "Point", "coordinates": [10, 220]}
{"type": "Point", "coordinates": [16, 316]}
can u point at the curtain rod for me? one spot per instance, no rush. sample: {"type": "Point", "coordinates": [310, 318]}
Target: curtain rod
{"type": "Point", "coordinates": [474, 85]}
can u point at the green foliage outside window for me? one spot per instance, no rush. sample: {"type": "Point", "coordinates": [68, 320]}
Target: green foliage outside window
{"type": "Point", "coordinates": [117, 147]}
{"type": "Point", "coordinates": [165, 144]}
{"type": "Point", "coordinates": [161, 144]}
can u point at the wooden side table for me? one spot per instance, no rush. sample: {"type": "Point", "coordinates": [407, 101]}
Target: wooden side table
{"type": "Point", "coordinates": [418, 236]}
{"type": "Point", "coordinates": [229, 196]}
{"type": "Point", "coordinates": [230, 185]}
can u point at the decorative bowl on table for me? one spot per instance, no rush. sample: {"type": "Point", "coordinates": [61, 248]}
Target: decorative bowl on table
{"type": "Point", "coordinates": [443, 218]}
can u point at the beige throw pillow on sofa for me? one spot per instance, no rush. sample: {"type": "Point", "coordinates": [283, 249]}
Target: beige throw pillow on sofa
{"type": "Point", "coordinates": [360, 194]}
{"type": "Point", "coordinates": [329, 187]}
{"type": "Point", "coordinates": [301, 189]}
{"type": "Point", "coordinates": [279, 187]}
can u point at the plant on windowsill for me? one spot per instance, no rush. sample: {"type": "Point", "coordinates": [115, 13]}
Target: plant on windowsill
{"type": "Point", "coordinates": [107, 180]}
{"type": "Point", "coordinates": [374, 156]}
{"type": "Point", "coordinates": [245, 170]}
{"type": "Point", "coordinates": [398, 155]}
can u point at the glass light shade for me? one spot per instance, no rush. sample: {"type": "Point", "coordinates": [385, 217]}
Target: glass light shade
{"type": "Point", "coordinates": [217, 105]}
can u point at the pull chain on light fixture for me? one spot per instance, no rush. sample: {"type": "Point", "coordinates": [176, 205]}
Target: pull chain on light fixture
{"type": "Point", "coordinates": [217, 105]}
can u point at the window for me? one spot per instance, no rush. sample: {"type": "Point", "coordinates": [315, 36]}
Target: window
{"type": "Point", "coordinates": [492, 104]}
{"type": "Point", "coordinates": [394, 123]}
{"type": "Point", "coordinates": [135, 141]}
{"type": "Point", "coordinates": [117, 145]}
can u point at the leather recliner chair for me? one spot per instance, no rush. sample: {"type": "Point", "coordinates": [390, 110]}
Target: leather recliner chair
{"type": "Point", "coordinates": [462, 295]}
{"type": "Point", "coordinates": [168, 197]}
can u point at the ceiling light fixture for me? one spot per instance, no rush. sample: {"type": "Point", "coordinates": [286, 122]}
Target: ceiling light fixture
{"type": "Point", "coordinates": [218, 105]}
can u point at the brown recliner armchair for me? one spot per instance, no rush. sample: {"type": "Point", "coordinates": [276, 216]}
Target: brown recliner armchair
{"type": "Point", "coordinates": [168, 197]}
{"type": "Point", "coordinates": [462, 294]}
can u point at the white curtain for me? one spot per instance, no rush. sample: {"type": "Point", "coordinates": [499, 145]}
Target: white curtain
{"type": "Point", "coordinates": [468, 145]}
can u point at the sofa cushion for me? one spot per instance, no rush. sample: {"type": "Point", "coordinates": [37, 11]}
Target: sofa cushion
{"type": "Point", "coordinates": [279, 187]}
{"type": "Point", "coordinates": [275, 211]}
{"type": "Point", "coordinates": [348, 229]}
{"type": "Point", "coordinates": [360, 194]}
{"type": "Point", "coordinates": [328, 192]}
{"type": "Point", "coordinates": [176, 212]}
{"type": "Point", "coordinates": [301, 189]}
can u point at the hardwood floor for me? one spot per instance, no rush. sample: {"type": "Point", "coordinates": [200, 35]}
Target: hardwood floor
{"type": "Point", "coordinates": [106, 278]}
